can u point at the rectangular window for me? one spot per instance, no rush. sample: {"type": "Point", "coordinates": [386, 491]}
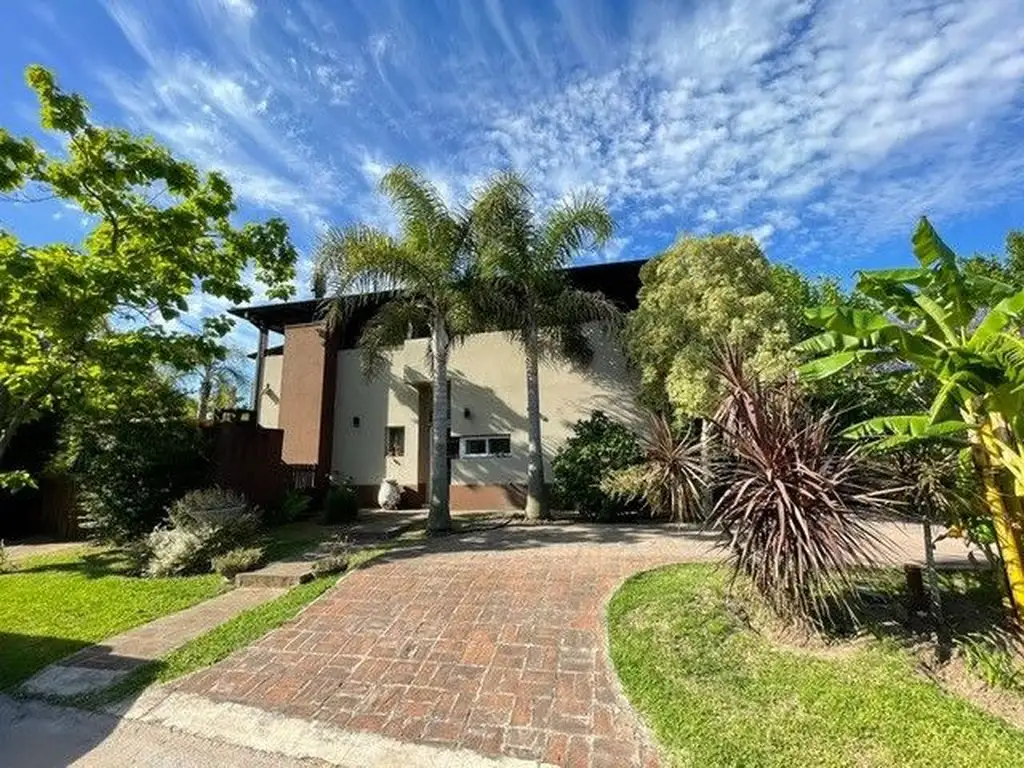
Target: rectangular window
{"type": "Point", "coordinates": [486, 446]}
{"type": "Point", "coordinates": [395, 445]}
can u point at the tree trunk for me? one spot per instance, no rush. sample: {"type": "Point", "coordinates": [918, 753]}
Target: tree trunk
{"type": "Point", "coordinates": [706, 446]}
{"type": "Point", "coordinates": [1004, 507]}
{"type": "Point", "coordinates": [205, 389]}
{"type": "Point", "coordinates": [934, 597]}
{"type": "Point", "coordinates": [536, 495]}
{"type": "Point", "coordinates": [439, 517]}
{"type": "Point", "coordinates": [6, 435]}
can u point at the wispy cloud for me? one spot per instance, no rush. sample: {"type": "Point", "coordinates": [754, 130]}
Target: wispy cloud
{"type": "Point", "coordinates": [744, 108]}
{"type": "Point", "coordinates": [801, 121]}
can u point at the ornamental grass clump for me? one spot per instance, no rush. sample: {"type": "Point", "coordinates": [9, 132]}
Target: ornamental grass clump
{"type": "Point", "coordinates": [671, 478]}
{"type": "Point", "coordinates": [796, 500]}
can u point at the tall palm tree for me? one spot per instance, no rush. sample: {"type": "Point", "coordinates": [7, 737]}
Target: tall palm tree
{"type": "Point", "coordinates": [219, 384]}
{"type": "Point", "coordinates": [427, 272]}
{"type": "Point", "coordinates": [523, 256]}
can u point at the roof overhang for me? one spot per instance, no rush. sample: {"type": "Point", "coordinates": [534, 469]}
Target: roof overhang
{"type": "Point", "coordinates": [618, 280]}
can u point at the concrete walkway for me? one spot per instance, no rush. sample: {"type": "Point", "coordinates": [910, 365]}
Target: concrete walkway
{"type": "Point", "coordinates": [100, 666]}
{"type": "Point", "coordinates": [37, 735]}
{"type": "Point", "coordinates": [25, 550]}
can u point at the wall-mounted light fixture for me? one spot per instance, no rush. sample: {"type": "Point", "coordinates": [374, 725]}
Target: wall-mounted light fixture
{"type": "Point", "coordinates": [355, 422]}
{"type": "Point", "coordinates": [467, 413]}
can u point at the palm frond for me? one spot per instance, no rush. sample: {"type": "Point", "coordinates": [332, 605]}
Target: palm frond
{"type": "Point", "coordinates": [389, 327]}
{"type": "Point", "coordinates": [578, 224]}
{"type": "Point", "coordinates": [416, 201]}
{"type": "Point", "coordinates": [359, 261]}
{"type": "Point", "coordinates": [564, 316]}
{"type": "Point", "coordinates": [503, 226]}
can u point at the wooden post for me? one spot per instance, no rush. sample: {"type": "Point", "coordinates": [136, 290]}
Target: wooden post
{"type": "Point", "coordinates": [257, 384]}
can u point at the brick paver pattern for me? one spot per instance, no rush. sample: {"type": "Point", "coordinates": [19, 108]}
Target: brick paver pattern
{"type": "Point", "coordinates": [494, 643]}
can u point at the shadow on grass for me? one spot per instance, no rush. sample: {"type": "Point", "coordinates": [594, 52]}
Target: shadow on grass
{"type": "Point", "coordinates": [92, 565]}
{"type": "Point", "coordinates": [21, 656]}
{"type": "Point", "coordinates": [971, 607]}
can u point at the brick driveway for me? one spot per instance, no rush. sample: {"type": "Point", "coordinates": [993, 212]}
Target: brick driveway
{"type": "Point", "coordinates": [493, 642]}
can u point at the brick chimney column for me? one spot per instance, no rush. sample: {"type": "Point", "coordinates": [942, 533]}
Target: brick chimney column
{"type": "Point", "coordinates": [306, 411]}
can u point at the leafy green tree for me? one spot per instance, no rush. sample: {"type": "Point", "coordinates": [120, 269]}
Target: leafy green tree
{"type": "Point", "coordinates": [78, 321]}
{"type": "Point", "coordinates": [962, 331]}
{"type": "Point", "coordinates": [429, 270]}
{"type": "Point", "coordinates": [1009, 269]}
{"type": "Point", "coordinates": [700, 293]}
{"type": "Point", "coordinates": [523, 257]}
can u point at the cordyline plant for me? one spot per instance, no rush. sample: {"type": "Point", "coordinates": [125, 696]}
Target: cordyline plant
{"type": "Point", "coordinates": [670, 480]}
{"type": "Point", "coordinates": [797, 500]}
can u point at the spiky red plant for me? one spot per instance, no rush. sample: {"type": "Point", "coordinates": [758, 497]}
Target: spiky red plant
{"type": "Point", "coordinates": [796, 499]}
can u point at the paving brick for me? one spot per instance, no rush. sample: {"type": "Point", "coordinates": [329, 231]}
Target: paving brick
{"type": "Point", "coordinates": [492, 644]}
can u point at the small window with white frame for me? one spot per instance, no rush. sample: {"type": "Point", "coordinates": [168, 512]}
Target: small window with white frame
{"type": "Point", "coordinates": [485, 446]}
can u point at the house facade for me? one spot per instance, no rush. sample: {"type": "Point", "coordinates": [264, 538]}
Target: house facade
{"type": "Point", "coordinates": [371, 429]}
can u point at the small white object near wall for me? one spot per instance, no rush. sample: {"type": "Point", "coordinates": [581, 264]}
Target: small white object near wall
{"type": "Point", "coordinates": [390, 495]}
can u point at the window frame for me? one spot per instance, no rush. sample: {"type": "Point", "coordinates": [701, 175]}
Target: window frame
{"type": "Point", "coordinates": [489, 452]}
{"type": "Point", "coordinates": [388, 452]}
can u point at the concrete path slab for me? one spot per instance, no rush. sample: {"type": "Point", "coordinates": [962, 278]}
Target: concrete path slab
{"type": "Point", "coordinates": [161, 731]}
{"type": "Point", "coordinates": [282, 574]}
{"type": "Point", "coordinates": [27, 549]}
{"type": "Point", "coordinates": [100, 666]}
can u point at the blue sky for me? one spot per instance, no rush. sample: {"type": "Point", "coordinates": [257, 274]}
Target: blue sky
{"type": "Point", "coordinates": [824, 127]}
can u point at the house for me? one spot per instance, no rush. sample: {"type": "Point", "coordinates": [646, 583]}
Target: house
{"type": "Point", "coordinates": [369, 430]}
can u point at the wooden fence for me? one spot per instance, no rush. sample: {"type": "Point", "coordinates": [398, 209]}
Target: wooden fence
{"type": "Point", "coordinates": [244, 457]}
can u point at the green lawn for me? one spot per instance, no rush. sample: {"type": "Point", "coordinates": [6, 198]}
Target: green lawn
{"type": "Point", "coordinates": [717, 694]}
{"type": "Point", "coordinates": [242, 630]}
{"type": "Point", "coordinates": [53, 605]}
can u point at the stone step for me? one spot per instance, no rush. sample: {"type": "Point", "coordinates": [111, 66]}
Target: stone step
{"type": "Point", "coordinates": [285, 574]}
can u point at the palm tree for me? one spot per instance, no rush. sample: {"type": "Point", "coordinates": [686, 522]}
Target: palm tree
{"type": "Point", "coordinates": [523, 257]}
{"type": "Point", "coordinates": [219, 384]}
{"type": "Point", "coordinates": [427, 274]}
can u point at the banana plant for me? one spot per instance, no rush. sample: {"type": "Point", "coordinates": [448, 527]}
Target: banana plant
{"type": "Point", "coordinates": [963, 331]}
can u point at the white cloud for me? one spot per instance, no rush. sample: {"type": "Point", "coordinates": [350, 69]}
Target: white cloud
{"type": "Point", "coordinates": [224, 119]}
{"type": "Point", "coordinates": [245, 9]}
{"type": "Point", "coordinates": [796, 120]}
{"type": "Point", "coordinates": [763, 105]}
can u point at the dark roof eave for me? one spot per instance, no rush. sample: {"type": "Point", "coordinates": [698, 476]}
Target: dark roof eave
{"type": "Point", "coordinates": [619, 280]}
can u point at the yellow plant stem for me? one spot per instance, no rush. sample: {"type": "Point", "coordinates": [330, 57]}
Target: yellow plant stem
{"type": "Point", "coordinates": [1004, 506]}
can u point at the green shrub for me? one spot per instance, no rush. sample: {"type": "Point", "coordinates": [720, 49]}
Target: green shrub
{"type": "Point", "coordinates": [204, 524]}
{"type": "Point", "coordinates": [995, 658]}
{"type": "Point", "coordinates": [128, 472]}
{"type": "Point", "coordinates": [597, 447]}
{"type": "Point", "coordinates": [294, 506]}
{"type": "Point", "coordinates": [237, 561]}
{"type": "Point", "coordinates": [341, 505]}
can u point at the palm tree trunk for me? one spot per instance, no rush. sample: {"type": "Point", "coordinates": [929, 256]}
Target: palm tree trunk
{"type": "Point", "coordinates": [205, 389]}
{"type": "Point", "coordinates": [536, 496]}
{"type": "Point", "coordinates": [1004, 507]}
{"type": "Point", "coordinates": [439, 518]}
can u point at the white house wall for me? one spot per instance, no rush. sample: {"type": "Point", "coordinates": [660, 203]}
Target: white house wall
{"type": "Point", "coordinates": [270, 397]}
{"type": "Point", "coordinates": [487, 378]}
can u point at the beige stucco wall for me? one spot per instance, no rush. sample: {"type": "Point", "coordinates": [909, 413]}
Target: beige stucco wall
{"type": "Point", "coordinates": [487, 377]}
{"type": "Point", "coordinates": [270, 397]}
